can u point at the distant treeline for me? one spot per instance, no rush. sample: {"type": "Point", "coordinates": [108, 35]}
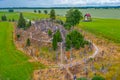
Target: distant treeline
{"type": "Point", "coordinates": [95, 7]}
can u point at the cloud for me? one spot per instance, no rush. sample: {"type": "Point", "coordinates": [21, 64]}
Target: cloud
{"type": "Point", "coordinates": [49, 3]}
{"type": "Point", "coordinates": [85, 2]}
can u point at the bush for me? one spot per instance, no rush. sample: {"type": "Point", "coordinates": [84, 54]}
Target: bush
{"type": "Point", "coordinates": [39, 11]}
{"type": "Point", "coordinates": [76, 38]}
{"type": "Point", "coordinates": [28, 42]}
{"type": "Point", "coordinates": [98, 78]}
{"type": "Point", "coordinates": [59, 22]}
{"type": "Point", "coordinates": [49, 32]}
{"type": "Point", "coordinates": [67, 26]}
{"type": "Point", "coordinates": [10, 10]}
{"type": "Point", "coordinates": [45, 11]}
{"type": "Point", "coordinates": [35, 11]}
{"type": "Point", "coordinates": [3, 18]}
{"type": "Point", "coordinates": [13, 19]}
{"type": "Point", "coordinates": [52, 14]}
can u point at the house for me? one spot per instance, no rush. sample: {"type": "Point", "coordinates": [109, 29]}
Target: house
{"type": "Point", "coordinates": [87, 17]}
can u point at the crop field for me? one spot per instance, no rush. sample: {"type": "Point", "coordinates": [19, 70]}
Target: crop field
{"type": "Point", "coordinates": [107, 28]}
{"type": "Point", "coordinates": [14, 64]}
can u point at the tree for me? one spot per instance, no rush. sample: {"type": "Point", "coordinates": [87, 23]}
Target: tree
{"type": "Point", "coordinates": [13, 19]}
{"type": "Point", "coordinates": [77, 40]}
{"type": "Point", "coordinates": [28, 25]}
{"type": "Point", "coordinates": [98, 78]}
{"type": "Point", "coordinates": [54, 42]}
{"type": "Point", "coordinates": [4, 18]}
{"type": "Point", "coordinates": [21, 22]}
{"type": "Point", "coordinates": [9, 20]}
{"type": "Point", "coordinates": [39, 11]}
{"type": "Point", "coordinates": [49, 32]}
{"type": "Point", "coordinates": [58, 36]}
{"type": "Point", "coordinates": [10, 10]}
{"type": "Point", "coordinates": [35, 11]}
{"type": "Point", "coordinates": [28, 42]}
{"type": "Point", "coordinates": [77, 16]}
{"type": "Point", "coordinates": [67, 26]}
{"type": "Point", "coordinates": [68, 43]}
{"type": "Point", "coordinates": [18, 36]}
{"type": "Point", "coordinates": [73, 17]}
{"type": "Point", "coordinates": [52, 14]}
{"type": "Point", "coordinates": [45, 11]}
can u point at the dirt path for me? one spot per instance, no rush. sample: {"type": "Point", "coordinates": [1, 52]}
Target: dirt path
{"type": "Point", "coordinates": [67, 66]}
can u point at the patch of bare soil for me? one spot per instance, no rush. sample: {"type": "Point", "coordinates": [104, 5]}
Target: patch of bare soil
{"type": "Point", "coordinates": [51, 74]}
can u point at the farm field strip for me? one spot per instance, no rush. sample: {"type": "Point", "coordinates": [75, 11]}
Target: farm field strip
{"type": "Point", "coordinates": [107, 28]}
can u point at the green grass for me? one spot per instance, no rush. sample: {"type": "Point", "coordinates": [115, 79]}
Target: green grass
{"type": "Point", "coordinates": [14, 64]}
{"type": "Point", "coordinates": [27, 15]}
{"type": "Point", "coordinates": [107, 28]}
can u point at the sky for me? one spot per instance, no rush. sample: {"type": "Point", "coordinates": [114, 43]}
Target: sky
{"type": "Point", "coordinates": [57, 3]}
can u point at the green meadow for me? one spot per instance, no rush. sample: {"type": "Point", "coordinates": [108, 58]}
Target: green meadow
{"type": "Point", "coordinates": [14, 64]}
{"type": "Point", "coordinates": [96, 13]}
{"type": "Point", "coordinates": [107, 28]}
{"type": "Point", "coordinates": [27, 15]}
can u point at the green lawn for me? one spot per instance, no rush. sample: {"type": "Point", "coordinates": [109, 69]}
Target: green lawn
{"type": "Point", "coordinates": [14, 64]}
{"type": "Point", "coordinates": [107, 28]}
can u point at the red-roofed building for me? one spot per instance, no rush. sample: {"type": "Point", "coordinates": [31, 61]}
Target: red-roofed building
{"type": "Point", "coordinates": [87, 17]}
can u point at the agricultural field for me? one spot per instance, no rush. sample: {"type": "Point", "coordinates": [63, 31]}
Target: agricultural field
{"type": "Point", "coordinates": [96, 13]}
{"type": "Point", "coordinates": [107, 28]}
{"type": "Point", "coordinates": [14, 64]}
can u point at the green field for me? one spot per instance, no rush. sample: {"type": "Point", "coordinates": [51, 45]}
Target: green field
{"type": "Point", "coordinates": [27, 15]}
{"type": "Point", "coordinates": [96, 13]}
{"type": "Point", "coordinates": [107, 28]}
{"type": "Point", "coordinates": [14, 64]}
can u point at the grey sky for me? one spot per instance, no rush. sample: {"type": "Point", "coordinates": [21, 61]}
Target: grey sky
{"type": "Point", "coordinates": [51, 3]}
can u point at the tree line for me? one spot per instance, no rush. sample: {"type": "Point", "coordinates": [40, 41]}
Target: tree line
{"type": "Point", "coordinates": [39, 11]}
